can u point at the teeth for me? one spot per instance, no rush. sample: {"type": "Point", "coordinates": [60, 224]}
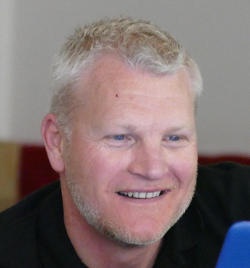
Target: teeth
{"type": "Point", "coordinates": [141, 195]}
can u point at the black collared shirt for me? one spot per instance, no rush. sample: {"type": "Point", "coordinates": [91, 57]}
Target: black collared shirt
{"type": "Point", "coordinates": [32, 233]}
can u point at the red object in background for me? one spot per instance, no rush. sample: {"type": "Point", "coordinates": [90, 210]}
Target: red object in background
{"type": "Point", "coordinates": [35, 170]}
{"type": "Point", "coordinates": [241, 159]}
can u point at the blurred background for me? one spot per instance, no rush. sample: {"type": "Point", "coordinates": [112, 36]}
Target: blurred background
{"type": "Point", "coordinates": [215, 32]}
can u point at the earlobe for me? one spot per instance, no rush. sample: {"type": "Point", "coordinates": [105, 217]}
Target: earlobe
{"type": "Point", "coordinates": [53, 142]}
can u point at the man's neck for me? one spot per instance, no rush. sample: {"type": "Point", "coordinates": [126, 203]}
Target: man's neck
{"type": "Point", "coordinates": [96, 250]}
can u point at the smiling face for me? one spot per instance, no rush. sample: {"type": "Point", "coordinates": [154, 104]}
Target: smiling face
{"type": "Point", "coordinates": [130, 165]}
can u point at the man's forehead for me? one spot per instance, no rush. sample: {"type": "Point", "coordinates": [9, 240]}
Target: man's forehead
{"type": "Point", "coordinates": [110, 75]}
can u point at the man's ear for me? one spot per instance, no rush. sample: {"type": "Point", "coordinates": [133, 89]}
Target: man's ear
{"type": "Point", "coordinates": [53, 141]}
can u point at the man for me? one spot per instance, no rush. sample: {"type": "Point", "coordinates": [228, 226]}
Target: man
{"type": "Point", "coordinates": [121, 134]}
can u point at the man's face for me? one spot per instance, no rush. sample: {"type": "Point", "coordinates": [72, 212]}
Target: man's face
{"type": "Point", "coordinates": [131, 162]}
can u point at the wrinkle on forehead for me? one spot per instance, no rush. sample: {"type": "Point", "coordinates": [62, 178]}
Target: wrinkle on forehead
{"type": "Point", "coordinates": [110, 82]}
{"type": "Point", "coordinates": [110, 69]}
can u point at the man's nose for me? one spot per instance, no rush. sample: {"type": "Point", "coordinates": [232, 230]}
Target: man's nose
{"type": "Point", "coordinates": [149, 162]}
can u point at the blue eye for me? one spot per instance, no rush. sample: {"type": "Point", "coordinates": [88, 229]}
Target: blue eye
{"type": "Point", "coordinates": [119, 140]}
{"type": "Point", "coordinates": [174, 138]}
{"type": "Point", "coordinates": [119, 137]}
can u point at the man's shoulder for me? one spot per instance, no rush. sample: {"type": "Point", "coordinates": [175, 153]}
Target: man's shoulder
{"type": "Point", "coordinates": [26, 208]}
{"type": "Point", "coordinates": [225, 188]}
{"type": "Point", "coordinates": [223, 173]}
{"type": "Point", "coordinates": [18, 228]}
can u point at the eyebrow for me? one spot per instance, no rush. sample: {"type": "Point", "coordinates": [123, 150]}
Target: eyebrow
{"type": "Point", "coordinates": [127, 127]}
{"type": "Point", "coordinates": [174, 129]}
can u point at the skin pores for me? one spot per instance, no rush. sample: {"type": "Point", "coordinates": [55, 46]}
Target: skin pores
{"type": "Point", "coordinates": [130, 166]}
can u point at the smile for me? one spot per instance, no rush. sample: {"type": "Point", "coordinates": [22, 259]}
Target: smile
{"type": "Point", "coordinates": [141, 195]}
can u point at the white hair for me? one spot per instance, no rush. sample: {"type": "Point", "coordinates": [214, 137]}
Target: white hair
{"type": "Point", "coordinates": [139, 43]}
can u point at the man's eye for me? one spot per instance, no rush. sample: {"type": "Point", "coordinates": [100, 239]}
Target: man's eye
{"type": "Point", "coordinates": [119, 140]}
{"type": "Point", "coordinates": [118, 137]}
{"type": "Point", "coordinates": [174, 138]}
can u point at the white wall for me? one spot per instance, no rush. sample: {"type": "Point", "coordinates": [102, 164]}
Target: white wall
{"type": "Point", "coordinates": [216, 32]}
{"type": "Point", "coordinates": [6, 32]}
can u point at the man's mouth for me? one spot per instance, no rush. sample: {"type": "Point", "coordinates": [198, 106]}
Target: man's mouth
{"type": "Point", "coordinates": [141, 195]}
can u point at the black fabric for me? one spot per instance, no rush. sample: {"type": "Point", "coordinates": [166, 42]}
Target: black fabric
{"type": "Point", "coordinates": [32, 233]}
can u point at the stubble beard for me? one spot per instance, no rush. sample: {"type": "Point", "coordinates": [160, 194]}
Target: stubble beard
{"type": "Point", "coordinates": [112, 231]}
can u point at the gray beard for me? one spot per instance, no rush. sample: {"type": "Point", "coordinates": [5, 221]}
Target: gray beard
{"type": "Point", "coordinates": [110, 230]}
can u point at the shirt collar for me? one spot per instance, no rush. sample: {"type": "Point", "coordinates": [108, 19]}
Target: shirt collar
{"type": "Point", "coordinates": [180, 242]}
{"type": "Point", "coordinates": [54, 245]}
{"type": "Point", "coordinates": [55, 248]}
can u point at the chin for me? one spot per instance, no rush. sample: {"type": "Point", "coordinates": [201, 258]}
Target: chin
{"type": "Point", "coordinates": [144, 235]}
{"type": "Point", "coordinates": [134, 236]}
{"type": "Point", "coordinates": [133, 240]}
